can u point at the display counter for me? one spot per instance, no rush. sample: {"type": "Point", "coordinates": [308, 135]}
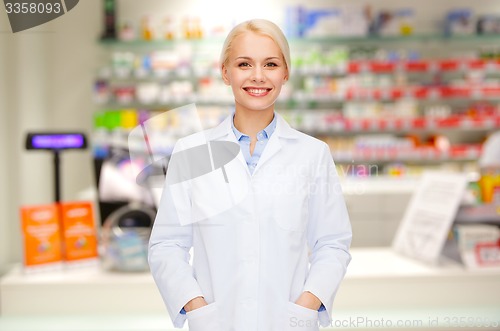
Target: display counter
{"type": "Point", "coordinates": [380, 284]}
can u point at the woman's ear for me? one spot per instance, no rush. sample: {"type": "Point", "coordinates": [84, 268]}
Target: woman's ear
{"type": "Point", "coordinates": [285, 79]}
{"type": "Point", "coordinates": [224, 75]}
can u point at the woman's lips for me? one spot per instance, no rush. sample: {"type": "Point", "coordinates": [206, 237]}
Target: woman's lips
{"type": "Point", "coordinates": [257, 91]}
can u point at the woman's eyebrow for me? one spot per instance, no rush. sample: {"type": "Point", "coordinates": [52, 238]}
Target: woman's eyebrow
{"type": "Point", "coordinates": [249, 58]}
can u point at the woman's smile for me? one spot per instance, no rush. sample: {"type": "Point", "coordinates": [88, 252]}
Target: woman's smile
{"type": "Point", "coordinates": [257, 91]}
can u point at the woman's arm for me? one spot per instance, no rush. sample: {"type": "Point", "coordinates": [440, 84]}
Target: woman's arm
{"type": "Point", "coordinates": [169, 255]}
{"type": "Point", "coordinates": [329, 234]}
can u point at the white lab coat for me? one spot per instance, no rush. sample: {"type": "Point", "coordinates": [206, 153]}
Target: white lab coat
{"type": "Point", "coordinates": [287, 232]}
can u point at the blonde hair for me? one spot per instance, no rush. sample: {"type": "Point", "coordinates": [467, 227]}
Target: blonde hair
{"type": "Point", "coordinates": [260, 26]}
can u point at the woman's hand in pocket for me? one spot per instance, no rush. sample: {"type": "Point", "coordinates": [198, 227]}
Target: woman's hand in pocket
{"type": "Point", "coordinates": [308, 300]}
{"type": "Point", "coordinates": [195, 303]}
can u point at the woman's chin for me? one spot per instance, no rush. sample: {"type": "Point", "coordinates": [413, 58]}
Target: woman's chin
{"type": "Point", "coordinates": [257, 106]}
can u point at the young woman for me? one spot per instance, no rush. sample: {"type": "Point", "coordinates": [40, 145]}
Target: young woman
{"type": "Point", "coordinates": [274, 259]}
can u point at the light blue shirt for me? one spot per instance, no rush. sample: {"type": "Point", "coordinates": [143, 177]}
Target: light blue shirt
{"type": "Point", "coordinates": [262, 139]}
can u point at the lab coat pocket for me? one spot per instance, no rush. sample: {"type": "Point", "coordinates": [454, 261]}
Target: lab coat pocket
{"type": "Point", "coordinates": [300, 318]}
{"type": "Point", "coordinates": [204, 318]}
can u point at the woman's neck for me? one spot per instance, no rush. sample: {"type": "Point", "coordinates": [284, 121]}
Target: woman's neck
{"type": "Point", "coordinates": [251, 122]}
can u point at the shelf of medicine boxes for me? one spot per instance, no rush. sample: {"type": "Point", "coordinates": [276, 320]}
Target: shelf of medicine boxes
{"type": "Point", "coordinates": [325, 124]}
{"type": "Point", "coordinates": [333, 92]}
{"type": "Point", "coordinates": [329, 91]}
{"type": "Point", "coordinates": [332, 98]}
{"type": "Point", "coordinates": [463, 152]}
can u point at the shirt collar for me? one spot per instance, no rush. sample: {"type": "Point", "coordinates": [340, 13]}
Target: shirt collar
{"type": "Point", "coordinates": [268, 130]}
{"type": "Point", "coordinates": [282, 130]}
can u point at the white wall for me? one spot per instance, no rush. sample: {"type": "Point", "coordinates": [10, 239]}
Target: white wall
{"type": "Point", "coordinates": [47, 77]}
{"type": "Point", "coordinates": [46, 84]}
{"type": "Point", "coordinates": [4, 155]}
{"type": "Point", "coordinates": [74, 57]}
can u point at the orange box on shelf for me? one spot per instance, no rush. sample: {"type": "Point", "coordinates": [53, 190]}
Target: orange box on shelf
{"type": "Point", "coordinates": [41, 235]}
{"type": "Point", "coordinates": [79, 231]}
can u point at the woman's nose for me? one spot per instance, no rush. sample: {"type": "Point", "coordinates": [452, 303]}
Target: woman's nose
{"type": "Point", "coordinates": [258, 75]}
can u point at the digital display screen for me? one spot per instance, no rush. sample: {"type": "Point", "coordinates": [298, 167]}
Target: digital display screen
{"type": "Point", "coordinates": [56, 141]}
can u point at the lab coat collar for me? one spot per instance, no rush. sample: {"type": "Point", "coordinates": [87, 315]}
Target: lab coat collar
{"type": "Point", "coordinates": [224, 130]}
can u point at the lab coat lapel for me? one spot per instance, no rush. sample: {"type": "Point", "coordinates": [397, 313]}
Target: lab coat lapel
{"type": "Point", "coordinates": [224, 131]}
{"type": "Point", "coordinates": [275, 143]}
{"type": "Point", "coordinates": [272, 147]}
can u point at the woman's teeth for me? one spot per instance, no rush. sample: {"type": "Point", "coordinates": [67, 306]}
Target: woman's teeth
{"type": "Point", "coordinates": [256, 91]}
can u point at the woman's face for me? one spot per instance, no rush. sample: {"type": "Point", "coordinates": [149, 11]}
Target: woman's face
{"type": "Point", "coordinates": [255, 70]}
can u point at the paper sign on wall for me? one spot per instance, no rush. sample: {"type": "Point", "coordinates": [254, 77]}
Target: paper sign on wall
{"type": "Point", "coordinates": [41, 235]}
{"type": "Point", "coordinates": [430, 215]}
{"type": "Point", "coordinates": [79, 232]}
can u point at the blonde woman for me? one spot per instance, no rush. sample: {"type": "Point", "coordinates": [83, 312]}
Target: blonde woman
{"type": "Point", "coordinates": [274, 260]}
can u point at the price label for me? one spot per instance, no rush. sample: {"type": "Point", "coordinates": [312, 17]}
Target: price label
{"type": "Point", "coordinates": [400, 67]}
{"type": "Point", "coordinates": [489, 123]}
{"type": "Point", "coordinates": [477, 93]}
{"type": "Point", "coordinates": [466, 123]}
{"type": "Point", "coordinates": [385, 94]}
{"type": "Point", "coordinates": [463, 66]}
{"type": "Point", "coordinates": [364, 67]}
{"type": "Point", "coordinates": [433, 94]}
{"type": "Point", "coordinates": [433, 66]}
{"type": "Point", "coordinates": [430, 123]}
{"type": "Point", "coordinates": [406, 125]}
{"type": "Point", "coordinates": [408, 93]}
{"type": "Point", "coordinates": [390, 125]}
{"type": "Point", "coordinates": [356, 126]}
{"type": "Point", "coordinates": [490, 66]}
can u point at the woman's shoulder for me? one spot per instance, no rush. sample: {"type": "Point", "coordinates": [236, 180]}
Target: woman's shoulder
{"type": "Point", "coordinates": [310, 141]}
{"type": "Point", "coordinates": [192, 140]}
{"type": "Point", "coordinates": [303, 138]}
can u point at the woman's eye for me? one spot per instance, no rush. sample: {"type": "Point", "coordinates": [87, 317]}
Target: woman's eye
{"type": "Point", "coordinates": [271, 64]}
{"type": "Point", "coordinates": [243, 64]}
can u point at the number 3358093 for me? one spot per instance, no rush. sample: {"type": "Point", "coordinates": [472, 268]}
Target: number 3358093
{"type": "Point", "coordinates": [32, 8]}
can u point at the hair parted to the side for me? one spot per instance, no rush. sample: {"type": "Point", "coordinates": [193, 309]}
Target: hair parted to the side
{"type": "Point", "coordinates": [260, 26]}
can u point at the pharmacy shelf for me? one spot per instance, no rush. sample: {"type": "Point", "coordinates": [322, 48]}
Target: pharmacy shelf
{"type": "Point", "coordinates": [422, 66]}
{"type": "Point", "coordinates": [420, 93]}
{"type": "Point", "coordinates": [351, 67]}
{"type": "Point", "coordinates": [338, 97]}
{"type": "Point", "coordinates": [328, 88]}
{"type": "Point", "coordinates": [479, 214]}
{"type": "Point", "coordinates": [398, 66]}
{"type": "Point", "coordinates": [437, 38]}
{"type": "Point", "coordinates": [337, 124]}
{"type": "Point", "coordinates": [379, 284]}
{"type": "Point", "coordinates": [458, 153]}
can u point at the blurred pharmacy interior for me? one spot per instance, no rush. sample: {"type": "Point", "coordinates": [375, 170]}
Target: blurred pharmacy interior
{"type": "Point", "coordinates": [405, 93]}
